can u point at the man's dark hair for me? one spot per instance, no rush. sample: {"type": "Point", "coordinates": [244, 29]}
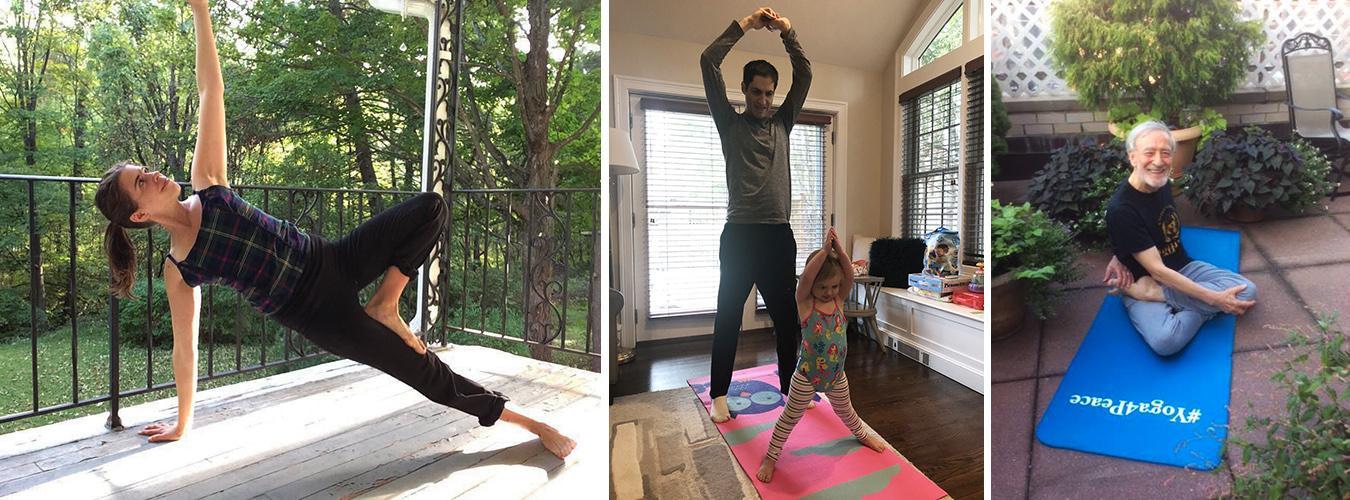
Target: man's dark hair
{"type": "Point", "coordinates": [759, 67]}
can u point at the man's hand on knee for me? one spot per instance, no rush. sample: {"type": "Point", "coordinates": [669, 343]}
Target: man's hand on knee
{"type": "Point", "coordinates": [1228, 301]}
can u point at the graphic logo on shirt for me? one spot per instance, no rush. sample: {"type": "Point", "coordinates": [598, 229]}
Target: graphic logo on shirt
{"type": "Point", "coordinates": [1170, 226]}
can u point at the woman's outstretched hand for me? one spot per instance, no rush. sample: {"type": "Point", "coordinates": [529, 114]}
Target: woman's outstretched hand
{"type": "Point", "coordinates": [162, 432]}
{"type": "Point", "coordinates": [197, 3]}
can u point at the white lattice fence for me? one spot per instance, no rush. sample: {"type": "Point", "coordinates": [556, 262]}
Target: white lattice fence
{"type": "Point", "coordinates": [1020, 61]}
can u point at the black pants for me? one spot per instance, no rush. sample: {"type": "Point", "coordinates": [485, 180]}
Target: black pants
{"type": "Point", "coordinates": [764, 255]}
{"type": "Point", "coordinates": [327, 310]}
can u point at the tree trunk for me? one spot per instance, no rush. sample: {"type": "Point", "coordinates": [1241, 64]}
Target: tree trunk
{"type": "Point", "coordinates": [356, 121]}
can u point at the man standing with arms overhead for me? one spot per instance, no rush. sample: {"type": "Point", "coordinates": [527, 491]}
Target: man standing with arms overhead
{"type": "Point", "coordinates": [757, 246]}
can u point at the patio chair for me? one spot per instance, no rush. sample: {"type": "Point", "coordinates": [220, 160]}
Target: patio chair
{"type": "Point", "coordinates": [1310, 86]}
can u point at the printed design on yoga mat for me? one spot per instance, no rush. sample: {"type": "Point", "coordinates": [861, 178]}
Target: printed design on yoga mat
{"type": "Point", "coordinates": [821, 459]}
{"type": "Point", "coordinates": [750, 396]}
{"type": "Point", "coordinates": [1119, 398]}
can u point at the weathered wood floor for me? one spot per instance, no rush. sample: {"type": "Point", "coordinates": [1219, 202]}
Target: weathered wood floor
{"type": "Point", "coordinates": [338, 429]}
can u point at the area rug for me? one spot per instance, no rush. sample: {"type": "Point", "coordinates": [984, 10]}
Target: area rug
{"type": "Point", "coordinates": [821, 458]}
{"type": "Point", "coordinates": [1119, 398]}
{"type": "Point", "coordinates": [662, 445]}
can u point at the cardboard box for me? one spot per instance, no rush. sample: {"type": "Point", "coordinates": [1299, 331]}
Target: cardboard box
{"type": "Point", "coordinates": [937, 285]}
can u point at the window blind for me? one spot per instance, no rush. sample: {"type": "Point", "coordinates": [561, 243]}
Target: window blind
{"type": "Point", "coordinates": [972, 240]}
{"type": "Point", "coordinates": [932, 160]}
{"type": "Point", "coordinates": [686, 202]}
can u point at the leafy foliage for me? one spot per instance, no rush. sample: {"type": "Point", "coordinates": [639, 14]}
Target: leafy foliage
{"type": "Point", "coordinates": [1254, 169]}
{"type": "Point", "coordinates": [1164, 54]}
{"type": "Point", "coordinates": [1127, 115]}
{"type": "Point", "coordinates": [1000, 125]}
{"type": "Point", "coordinates": [1306, 452]}
{"type": "Point", "coordinates": [318, 94]}
{"type": "Point", "coordinates": [1034, 248]}
{"type": "Point", "coordinates": [1075, 186]}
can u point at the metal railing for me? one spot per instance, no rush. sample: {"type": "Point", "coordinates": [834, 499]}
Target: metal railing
{"type": "Point", "coordinates": [515, 265]}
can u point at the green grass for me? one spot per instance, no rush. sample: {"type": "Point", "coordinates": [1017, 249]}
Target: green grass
{"type": "Point", "coordinates": [54, 371]}
{"type": "Point", "coordinates": [55, 361]}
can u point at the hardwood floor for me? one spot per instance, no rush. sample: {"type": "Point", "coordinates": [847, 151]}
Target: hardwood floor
{"type": "Point", "coordinates": [934, 421]}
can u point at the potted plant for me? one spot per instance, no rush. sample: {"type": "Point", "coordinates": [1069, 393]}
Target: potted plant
{"type": "Point", "coordinates": [1241, 174]}
{"type": "Point", "coordinates": [1075, 186]}
{"type": "Point", "coordinates": [1031, 252]}
{"type": "Point", "coordinates": [1154, 59]}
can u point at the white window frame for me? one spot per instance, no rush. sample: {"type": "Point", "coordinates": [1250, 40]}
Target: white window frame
{"type": "Point", "coordinates": [631, 206]}
{"type": "Point", "coordinates": [934, 24]}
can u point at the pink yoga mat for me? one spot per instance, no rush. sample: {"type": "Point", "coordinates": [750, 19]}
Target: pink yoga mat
{"type": "Point", "coordinates": [821, 458]}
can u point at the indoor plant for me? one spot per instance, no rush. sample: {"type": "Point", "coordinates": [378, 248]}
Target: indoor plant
{"type": "Point", "coordinates": [1031, 252]}
{"type": "Point", "coordinates": [1243, 173]}
{"type": "Point", "coordinates": [1154, 59]}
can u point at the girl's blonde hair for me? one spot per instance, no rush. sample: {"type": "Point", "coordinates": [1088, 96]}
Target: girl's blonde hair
{"type": "Point", "coordinates": [829, 269]}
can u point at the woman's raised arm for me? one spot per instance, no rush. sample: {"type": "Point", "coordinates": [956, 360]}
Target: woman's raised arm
{"type": "Point", "coordinates": [208, 161]}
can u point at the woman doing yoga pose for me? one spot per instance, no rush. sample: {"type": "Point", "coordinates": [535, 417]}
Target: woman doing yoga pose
{"type": "Point", "coordinates": [304, 282]}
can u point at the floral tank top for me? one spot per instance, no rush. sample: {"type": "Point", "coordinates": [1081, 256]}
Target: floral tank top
{"type": "Point", "coordinates": [821, 356]}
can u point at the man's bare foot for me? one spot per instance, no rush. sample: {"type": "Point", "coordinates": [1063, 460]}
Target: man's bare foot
{"type": "Point", "coordinates": [1146, 289]}
{"type": "Point", "coordinates": [719, 411]}
{"type": "Point", "coordinates": [874, 442]}
{"type": "Point", "coordinates": [388, 316]}
{"type": "Point", "coordinates": [765, 473]}
{"type": "Point", "coordinates": [554, 441]}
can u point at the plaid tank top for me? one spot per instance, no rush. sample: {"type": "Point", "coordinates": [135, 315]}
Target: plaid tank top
{"type": "Point", "coordinates": [245, 248]}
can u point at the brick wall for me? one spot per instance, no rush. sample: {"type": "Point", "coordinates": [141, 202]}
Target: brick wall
{"type": "Point", "coordinates": [1059, 118]}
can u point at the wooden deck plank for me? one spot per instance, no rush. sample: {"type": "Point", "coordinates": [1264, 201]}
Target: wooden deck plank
{"type": "Point", "coordinates": [452, 474]}
{"type": "Point", "coordinates": [216, 409]}
{"type": "Point", "coordinates": [257, 477]}
{"type": "Point", "coordinates": [518, 482]}
{"type": "Point", "coordinates": [395, 459]}
{"type": "Point", "coordinates": [149, 462]}
{"type": "Point", "coordinates": [326, 431]}
{"type": "Point", "coordinates": [38, 439]}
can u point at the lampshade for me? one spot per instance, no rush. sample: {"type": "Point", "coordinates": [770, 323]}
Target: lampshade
{"type": "Point", "coordinates": [420, 8]}
{"type": "Point", "coordinates": [622, 160]}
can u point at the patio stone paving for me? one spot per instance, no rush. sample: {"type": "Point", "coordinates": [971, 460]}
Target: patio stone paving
{"type": "Point", "coordinates": [1300, 264]}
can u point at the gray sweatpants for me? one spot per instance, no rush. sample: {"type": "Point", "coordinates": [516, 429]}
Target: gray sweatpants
{"type": "Point", "coordinates": [1169, 326]}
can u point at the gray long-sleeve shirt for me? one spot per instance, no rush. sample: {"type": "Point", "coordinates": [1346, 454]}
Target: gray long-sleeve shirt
{"type": "Point", "coordinates": [759, 174]}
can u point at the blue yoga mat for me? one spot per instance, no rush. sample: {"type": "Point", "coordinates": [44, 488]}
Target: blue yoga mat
{"type": "Point", "coordinates": [1121, 399]}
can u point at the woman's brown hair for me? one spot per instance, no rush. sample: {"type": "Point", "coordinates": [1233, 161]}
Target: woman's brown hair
{"type": "Point", "coordinates": [117, 206]}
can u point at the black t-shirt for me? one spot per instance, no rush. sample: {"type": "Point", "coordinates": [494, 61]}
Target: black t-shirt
{"type": "Point", "coordinates": [1136, 221]}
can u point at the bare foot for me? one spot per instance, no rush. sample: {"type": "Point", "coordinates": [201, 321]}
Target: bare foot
{"type": "Point", "coordinates": [719, 412]}
{"type": "Point", "coordinates": [765, 473]}
{"type": "Point", "coordinates": [388, 317]}
{"type": "Point", "coordinates": [874, 442]}
{"type": "Point", "coordinates": [1146, 289]}
{"type": "Point", "coordinates": [554, 441]}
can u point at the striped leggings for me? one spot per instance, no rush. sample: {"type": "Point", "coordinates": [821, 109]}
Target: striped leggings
{"type": "Point", "coordinates": [799, 396]}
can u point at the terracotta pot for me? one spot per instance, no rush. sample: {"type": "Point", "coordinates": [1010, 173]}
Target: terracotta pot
{"type": "Point", "coordinates": [1243, 213]}
{"type": "Point", "coordinates": [1009, 305]}
{"type": "Point", "coordinates": [1187, 139]}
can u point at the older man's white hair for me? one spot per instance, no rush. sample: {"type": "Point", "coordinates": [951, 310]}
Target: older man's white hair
{"type": "Point", "coordinates": [1145, 128]}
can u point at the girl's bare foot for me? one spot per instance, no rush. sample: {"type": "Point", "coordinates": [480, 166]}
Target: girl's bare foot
{"type": "Point", "coordinates": [765, 473]}
{"type": "Point", "coordinates": [874, 442]}
{"type": "Point", "coordinates": [719, 411]}
{"type": "Point", "coordinates": [388, 316]}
